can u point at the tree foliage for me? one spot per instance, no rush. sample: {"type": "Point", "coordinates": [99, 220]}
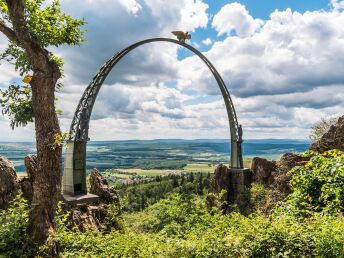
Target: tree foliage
{"type": "Point", "coordinates": [48, 26]}
{"type": "Point", "coordinates": [320, 128]}
{"type": "Point", "coordinates": [138, 196]}
{"type": "Point", "coordinates": [16, 102]}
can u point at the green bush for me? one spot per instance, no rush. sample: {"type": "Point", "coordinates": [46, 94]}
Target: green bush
{"type": "Point", "coordinates": [13, 227]}
{"type": "Point", "coordinates": [182, 227]}
{"type": "Point", "coordinates": [319, 185]}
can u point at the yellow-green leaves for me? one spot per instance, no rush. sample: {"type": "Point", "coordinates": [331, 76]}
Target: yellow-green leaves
{"type": "Point", "coordinates": [59, 139]}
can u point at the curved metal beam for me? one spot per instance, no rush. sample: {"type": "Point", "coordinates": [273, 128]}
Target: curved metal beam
{"type": "Point", "coordinates": [80, 122]}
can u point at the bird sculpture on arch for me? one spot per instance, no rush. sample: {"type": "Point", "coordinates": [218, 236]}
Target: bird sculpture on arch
{"type": "Point", "coordinates": [181, 35]}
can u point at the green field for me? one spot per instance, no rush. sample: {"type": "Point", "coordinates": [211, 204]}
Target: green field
{"type": "Point", "coordinates": [127, 173]}
{"type": "Point", "coordinates": [200, 167]}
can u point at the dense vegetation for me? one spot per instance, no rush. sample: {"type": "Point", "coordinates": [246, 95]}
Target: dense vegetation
{"type": "Point", "coordinates": [318, 186]}
{"type": "Point", "coordinates": [136, 197]}
{"type": "Point", "coordinates": [181, 227]}
{"type": "Point", "coordinates": [308, 223]}
{"type": "Point", "coordinates": [173, 164]}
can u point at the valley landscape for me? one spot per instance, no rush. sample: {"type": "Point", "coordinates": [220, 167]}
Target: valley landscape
{"type": "Point", "coordinates": [162, 154]}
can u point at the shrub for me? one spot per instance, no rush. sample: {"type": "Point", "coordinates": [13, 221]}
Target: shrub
{"type": "Point", "coordinates": [13, 227]}
{"type": "Point", "coordinates": [319, 185]}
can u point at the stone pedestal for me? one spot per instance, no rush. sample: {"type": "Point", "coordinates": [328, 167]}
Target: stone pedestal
{"type": "Point", "coordinates": [235, 182]}
{"type": "Point", "coordinates": [81, 199]}
{"type": "Point", "coordinates": [240, 180]}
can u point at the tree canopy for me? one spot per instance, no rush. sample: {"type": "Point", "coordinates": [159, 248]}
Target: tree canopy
{"type": "Point", "coordinates": [47, 26]}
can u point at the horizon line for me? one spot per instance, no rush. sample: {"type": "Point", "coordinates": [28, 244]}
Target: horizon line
{"type": "Point", "coordinates": [184, 139]}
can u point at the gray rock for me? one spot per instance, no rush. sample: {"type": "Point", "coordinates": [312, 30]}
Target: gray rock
{"type": "Point", "coordinates": [8, 182]}
{"type": "Point", "coordinates": [291, 160]}
{"type": "Point", "coordinates": [26, 183]}
{"type": "Point", "coordinates": [89, 217]}
{"type": "Point", "coordinates": [100, 187]}
{"type": "Point", "coordinates": [262, 170]}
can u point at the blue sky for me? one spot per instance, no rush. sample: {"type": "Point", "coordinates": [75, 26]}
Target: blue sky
{"type": "Point", "coordinates": [258, 9]}
{"type": "Point", "coordinates": [263, 8]}
{"type": "Point", "coordinates": [281, 60]}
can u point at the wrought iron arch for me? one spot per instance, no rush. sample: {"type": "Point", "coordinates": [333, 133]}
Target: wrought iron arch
{"type": "Point", "coordinates": [78, 134]}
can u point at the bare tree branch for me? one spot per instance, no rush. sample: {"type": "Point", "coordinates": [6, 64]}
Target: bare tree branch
{"type": "Point", "coordinates": [9, 33]}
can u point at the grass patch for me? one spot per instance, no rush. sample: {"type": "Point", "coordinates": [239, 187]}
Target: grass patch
{"type": "Point", "coordinates": [200, 167]}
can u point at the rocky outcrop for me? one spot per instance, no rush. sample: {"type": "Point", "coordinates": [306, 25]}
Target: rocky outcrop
{"type": "Point", "coordinates": [95, 217]}
{"type": "Point", "coordinates": [332, 139]}
{"type": "Point", "coordinates": [100, 187]}
{"type": "Point", "coordinates": [220, 181]}
{"type": "Point", "coordinates": [26, 187]}
{"type": "Point", "coordinates": [262, 170]}
{"type": "Point", "coordinates": [274, 174]}
{"type": "Point", "coordinates": [8, 182]}
{"type": "Point", "coordinates": [280, 183]}
{"type": "Point", "coordinates": [26, 183]}
{"type": "Point", "coordinates": [89, 217]}
{"type": "Point", "coordinates": [291, 160]}
{"type": "Point", "coordinates": [235, 183]}
{"type": "Point", "coordinates": [31, 166]}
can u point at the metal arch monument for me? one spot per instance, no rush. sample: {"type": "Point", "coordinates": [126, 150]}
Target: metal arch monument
{"type": "Point", "coordinates": [74, 176]}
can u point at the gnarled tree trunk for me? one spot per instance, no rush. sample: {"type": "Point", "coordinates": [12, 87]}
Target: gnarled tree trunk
{"type": "Point", "coordinates": [46, 183]}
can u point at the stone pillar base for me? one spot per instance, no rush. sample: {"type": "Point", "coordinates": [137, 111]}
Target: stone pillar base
{"type": "Point", "coordinates": [235, 182]}
{"type": "Point", "coordinates": [240, 180]}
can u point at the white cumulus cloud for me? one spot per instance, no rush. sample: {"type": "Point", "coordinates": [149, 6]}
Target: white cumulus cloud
{"type": "Point", "coordinates": [207, 41]}
{"type": "Point", "coordinates": [131, 6]}
{"type": "Point", "coordinates": [235, 17]}
{"type": "Point", "coordinates": [284, 73]}
{"type": "Point", "coordinates": [337, 4]}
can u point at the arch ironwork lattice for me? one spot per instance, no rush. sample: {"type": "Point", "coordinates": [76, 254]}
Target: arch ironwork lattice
{"type": "Point", "coordinates": [78, 135]}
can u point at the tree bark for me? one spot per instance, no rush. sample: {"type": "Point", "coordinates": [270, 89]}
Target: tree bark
{"type": "Point", "coordinates": [47, 181]}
